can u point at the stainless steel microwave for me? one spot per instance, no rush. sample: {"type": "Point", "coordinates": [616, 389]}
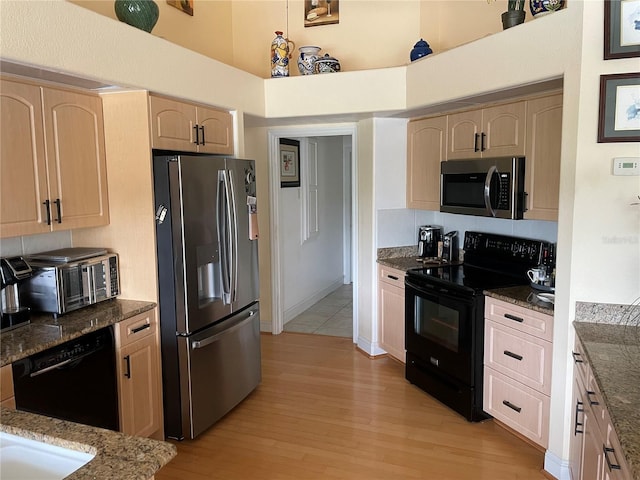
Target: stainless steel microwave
{"type": "Point", "coordinates": [60, 288]}
{"type": "Point", "coordinates": [488, 187]}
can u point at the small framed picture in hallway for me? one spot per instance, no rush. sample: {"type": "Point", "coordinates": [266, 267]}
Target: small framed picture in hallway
{"type": "Point", "coordinates": [289, 163]}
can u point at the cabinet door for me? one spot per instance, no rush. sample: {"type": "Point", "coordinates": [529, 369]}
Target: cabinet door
{"type": "Point", "coordinates": [543, 146]}
{"type": "Point", "coordinates": [592, 453]}
{"type": "Point", "coordinates": [391, 312]}
{"type": "Point", "coordinates": [7, 398]}
{"type": "Point", "coordinates": [426, 145]}
{"type": "Point", "coordinates": [139, 388]}
{"type": "Point", "coordinates": [576, 440]}
{"type": "Point", "coordinates": [464, 137]}
{"type": "Point", "coordinates": [504, 130]}
{"type": "Point", "coordinates": [74, 134]}
{"type": "Point", "coordinates": [216, 131]}
{"type": "Point", "coordinates": [173, 124]}
{"type": "Point", "coordinates": [23, 171]}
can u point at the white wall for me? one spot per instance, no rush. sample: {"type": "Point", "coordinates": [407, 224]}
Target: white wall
{"type": "Point", "coordinates": [313, 268]}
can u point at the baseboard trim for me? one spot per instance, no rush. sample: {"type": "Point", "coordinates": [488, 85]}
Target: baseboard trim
{"type": "Point", "coordinates": [556, 466]}
{"type": "Point", "coordinates": [369, 348]}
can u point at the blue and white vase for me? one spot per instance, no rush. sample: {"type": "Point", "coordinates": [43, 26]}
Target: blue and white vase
{"type": "Point", "coordinates": [307, 59]}
{"type": "Point", "coordinates": [280, 56]}
{"type": "Point", "coordinates": [542, 7]}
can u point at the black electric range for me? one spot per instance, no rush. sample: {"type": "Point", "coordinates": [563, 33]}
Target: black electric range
{"type": "Point", "coordinates": [444, 315]}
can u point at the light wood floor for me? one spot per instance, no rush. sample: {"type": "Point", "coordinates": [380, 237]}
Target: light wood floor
{"type": "Point", "coordinates": [326, 411]}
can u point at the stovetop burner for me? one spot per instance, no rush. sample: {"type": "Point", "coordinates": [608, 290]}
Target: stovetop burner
{"type": "Point", "coordinates": [467, 277]}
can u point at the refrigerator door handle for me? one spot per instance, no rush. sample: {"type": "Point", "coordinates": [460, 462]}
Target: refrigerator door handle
{"type": "Point", "coordinates": [223, 235]}
{"type": "Point", "coordinates": [233, 208]}
{"type": "Point", "coordinates": [213, 338]}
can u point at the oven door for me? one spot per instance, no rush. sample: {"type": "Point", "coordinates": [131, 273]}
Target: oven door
{"type": "Point", "coordinates": [439, 329]}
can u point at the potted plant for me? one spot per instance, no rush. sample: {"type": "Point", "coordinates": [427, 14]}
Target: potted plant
{"type": "Point", "coordinates": [514, 15]}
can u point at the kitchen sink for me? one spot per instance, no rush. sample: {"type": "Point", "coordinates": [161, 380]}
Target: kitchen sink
{"type": "Point", "coordinates": [22, 458]}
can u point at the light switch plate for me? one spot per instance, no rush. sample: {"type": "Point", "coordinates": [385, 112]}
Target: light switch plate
{"type": "Point", "coordinates": [626, 166]}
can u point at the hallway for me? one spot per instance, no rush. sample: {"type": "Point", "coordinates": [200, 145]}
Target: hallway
{"type": "Point", "coordinates": [333, 315]}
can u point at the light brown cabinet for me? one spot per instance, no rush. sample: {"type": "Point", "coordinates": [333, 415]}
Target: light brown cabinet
{"type": "Point", "coordinates": [497, 131]}
{"type": "Point", "coordinates": [52, 160]}
{"type": "Point", "coordinates": [542, 153]}
{"type": "Point", "coordinates": [7, 398]}
{"type": "Point", "coordinates": [594, 449]}
{"type": "Point", "coordinates": [138, 370]}
{"type": "Point", "coordinates": [517, 368]}
{"type": "Point", "coordinates": [426, 148]}
{"type": "Point", "coordinates": [187, 127]}
{"type": "Point", "coordinates": [391, 311]}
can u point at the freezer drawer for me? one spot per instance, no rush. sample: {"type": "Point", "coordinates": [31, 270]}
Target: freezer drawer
{"type": "Point", "coordinates": [224, 364]}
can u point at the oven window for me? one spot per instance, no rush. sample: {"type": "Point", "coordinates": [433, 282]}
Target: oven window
{"type": "Point", "coordinates": [437, 323]}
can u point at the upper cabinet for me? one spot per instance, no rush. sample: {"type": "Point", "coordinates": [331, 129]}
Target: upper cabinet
{"type": "Point", "coordinates": [497, 131]}
{"type": "Point", "coordinates": [187, 127]}
{"type": "Point", "coordinates": [543, 148]}
{"type": "Point", "coordinates": [52, 160]}
{"type": "Point", "coordinates": [426, 148]}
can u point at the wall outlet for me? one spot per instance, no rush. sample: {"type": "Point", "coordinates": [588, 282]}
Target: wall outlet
{"type": "Point", "coordinates": [626, 166]}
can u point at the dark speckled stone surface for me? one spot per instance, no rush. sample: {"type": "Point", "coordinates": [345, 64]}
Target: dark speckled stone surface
{"type": "Point", "coordinates": [45, 331]}
{"type": "Point", "coordinates": [523, 296]}
{"type": "Point", "coordinates": [615, 362]}
{"type": "Point", "coordinates": [117, 456]}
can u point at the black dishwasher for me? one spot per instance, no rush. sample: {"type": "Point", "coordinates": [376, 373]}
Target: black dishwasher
{"type": "Point", "coordinates": [73, 381]}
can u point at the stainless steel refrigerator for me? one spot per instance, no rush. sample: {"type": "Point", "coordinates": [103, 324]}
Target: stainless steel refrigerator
{"type": "Point", "coordinates": [207, 252]}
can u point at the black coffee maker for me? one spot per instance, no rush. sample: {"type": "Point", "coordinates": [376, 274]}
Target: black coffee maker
{"type": "Point", "coordinates": [428, 238]}
{"type": "Point", "coordinates": [13, 270]}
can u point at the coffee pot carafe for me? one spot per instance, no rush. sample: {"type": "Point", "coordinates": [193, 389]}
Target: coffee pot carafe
{"type": "Point", "coordinates": [13, 270]}
{"type": "Point", "coordinates": [428, 238]}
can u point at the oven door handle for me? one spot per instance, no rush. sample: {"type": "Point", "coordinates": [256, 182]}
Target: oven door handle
{"type": "Point", "coordinates": [419, 288]}
{"type": "Point", "coordinates": [487, 190]}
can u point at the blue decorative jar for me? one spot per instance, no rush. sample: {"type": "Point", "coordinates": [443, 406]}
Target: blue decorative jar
{"type": "Point", "coordinates": [327, 64]}
{"type": "Point", "coordinates": [542, 7]}
{"type": "Point", "coordinates": [420, 49]}
{"type": "Point", "coordinates": [142, 14]}
{"type": "Point", "coordinates": [307, 59]}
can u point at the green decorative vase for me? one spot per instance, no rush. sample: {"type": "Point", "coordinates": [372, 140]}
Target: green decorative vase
{"type": "Point", "coordinates": [142, 14]}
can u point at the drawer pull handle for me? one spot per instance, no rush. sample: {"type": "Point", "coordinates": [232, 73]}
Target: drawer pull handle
{"type": "Point", "coordinates": [592, 402]}
{"type": "Point", "coordinates": [578, 424]}
{"type": "Point", "coordinates": [392, 277]}
{"type": "Point", "coordinates": [141, 328]}
{"type": "Point", "coordinates": [575, 357]}
{"type": "Point", "coordinates": [513, 317]}
{"type": "Point", "coordinates": [612, 466]}
{"type": "Point", "coordinates": [513, 355]}
{"type": "Point", "coordinates": [511, 406]}
{"type": "Point", "coordinates": [127, 359]}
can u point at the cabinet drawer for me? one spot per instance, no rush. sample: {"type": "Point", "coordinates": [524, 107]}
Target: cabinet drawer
{"type": "Point", "coordinates": [522, 357]}
{"type": "Point", "coordinates": [580, 361]}
{"type": "Point", "coordinates": [521, 319]}
{"type": "Point", "coordinates": [392, 276]}
{"type": "Point", "coordinates": [517, 406]}
{"type": "Point", "coordinates": [135, 328]}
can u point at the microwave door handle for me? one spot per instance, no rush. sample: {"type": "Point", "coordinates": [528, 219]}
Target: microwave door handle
{"type": "Point", "coordinates": [86, 283]}
{"type": "Point", "coordinates": [487, 190]}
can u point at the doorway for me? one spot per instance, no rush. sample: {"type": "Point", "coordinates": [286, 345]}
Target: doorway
{"type": "Point", "coordinates": [298, 252]}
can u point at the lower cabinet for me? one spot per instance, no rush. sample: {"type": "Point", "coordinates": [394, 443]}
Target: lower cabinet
{"type": "Point", "coordinates": [7, 398]}
{"type": "Point", "coordinates": [391, 311]}
{"type": "Point", "coordinates": [138, 369]}
{"type": "Point", "coordinates": [517, 368]}
{"type": "Point", "coordinates": [594, 449]}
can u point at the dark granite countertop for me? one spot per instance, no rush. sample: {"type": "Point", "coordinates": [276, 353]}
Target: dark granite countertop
{"type": "Point", "coordinates": [45, 331]}
{"type": "Point", "coordinates": [614, 355]}
{"type": "Point", "coordinates": [117, 455]}
{"type": "Point", "coordinates": [523, 296]}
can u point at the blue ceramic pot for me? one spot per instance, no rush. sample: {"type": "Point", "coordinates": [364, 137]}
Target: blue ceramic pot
{"type": "Point", "coordinates": [542, 7]}
{"type": "Point", "coordinates": [420, 49]}
{"type": "Point", "coordinates": [142, 14]}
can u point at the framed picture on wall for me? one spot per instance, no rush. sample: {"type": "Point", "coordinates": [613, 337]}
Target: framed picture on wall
{"type": "Point", "coordinates": [619, 117]}
{"type": "Point", "coordinates": [621, 29]}
{"type": "Point", "coordinates": [321, 12]}
{"type": "Point", "coordinates": [185, 5]}
{"type": "Point", "coordinates": [289, 163]}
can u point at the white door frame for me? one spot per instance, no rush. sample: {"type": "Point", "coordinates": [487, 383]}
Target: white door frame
{"type": "Point", "coordinates": [277, 280]}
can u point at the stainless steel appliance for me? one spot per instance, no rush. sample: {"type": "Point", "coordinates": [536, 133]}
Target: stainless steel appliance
{"type": "Point", "coordinates": [13, 271]}
{"type": "Point", "coordinates": [488, 187]}
{"type": "Point", "coordinates": [450, 247]}
{"type": "Point", "coordinates": [444, 316]}
{"type": "Point", "coordinates": [208, 279]}
{"type": "Point", "coordinates": [69, 279]}
{"type": "Point", "coordinates": [74, 381]}
{"type": "Point", "coordinates": [428, 238]}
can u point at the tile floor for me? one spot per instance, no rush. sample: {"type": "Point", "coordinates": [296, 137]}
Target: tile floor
{"type": "Point", "coordinates": [333, 315]}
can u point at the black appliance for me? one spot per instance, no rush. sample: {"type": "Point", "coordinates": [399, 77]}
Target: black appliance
{"type": "Point", "coordinates": [444, 316]}
{"type": "Point", "coordinates": [488, 187]}
{"type": "Point", "coordinates": [13, 270]}
{"type": "Point", "coordinates": [73, 381]}
{"type": "Point", "coordinates": [428, 238]}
